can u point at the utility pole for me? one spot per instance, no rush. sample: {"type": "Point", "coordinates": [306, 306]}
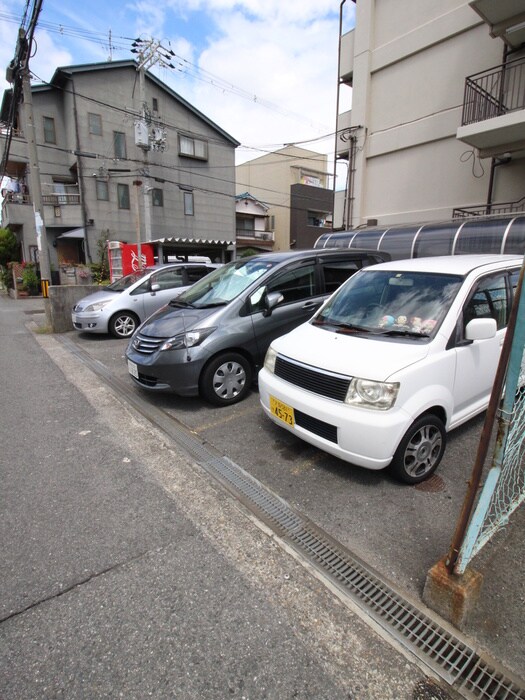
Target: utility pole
{"type": "Point", "coordinates": [19, 76]}
{"type": "Point", "coordinates": [149, 53]}
{"type": "Point", "coordinates": [137, 184]}
{"type": "Point", "coordinates": [34, 174]}
{"type": "Point", "coordinates": [146, 189]}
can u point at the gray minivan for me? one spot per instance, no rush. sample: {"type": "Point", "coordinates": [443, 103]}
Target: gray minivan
{"type": "Point", "coordinates": [211, 340]}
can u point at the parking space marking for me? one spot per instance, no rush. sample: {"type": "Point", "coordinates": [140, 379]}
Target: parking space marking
{"type": "Point", "coordinates": [225, 420]}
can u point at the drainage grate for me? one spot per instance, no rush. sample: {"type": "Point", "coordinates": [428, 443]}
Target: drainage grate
{"type": "Point", "coordinates": [451, 658]}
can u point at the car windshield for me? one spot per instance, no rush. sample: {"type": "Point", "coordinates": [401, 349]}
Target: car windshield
{"type": "Point", "coordinates": [224, 284]}
{"type": "Point", "coordinates": [124, 282]}
{"type": "Point", "coordinates": [390, 303]}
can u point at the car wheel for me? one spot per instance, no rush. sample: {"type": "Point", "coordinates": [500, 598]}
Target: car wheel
{"type": "Point", "coordinates": [420, 451]}
{"type": "Point", "coordinates": [226, 379]}
{"type": "Point", "coordinates": [123, 324]}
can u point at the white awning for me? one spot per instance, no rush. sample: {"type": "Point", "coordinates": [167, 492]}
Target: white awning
{"type": "Point", "coordinates": [195, 241]}
{"type": "Point", "coordinates": [74, 233]}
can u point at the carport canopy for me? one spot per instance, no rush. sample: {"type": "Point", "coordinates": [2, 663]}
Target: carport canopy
{"type": "Point", "coordinates": [217, 249]}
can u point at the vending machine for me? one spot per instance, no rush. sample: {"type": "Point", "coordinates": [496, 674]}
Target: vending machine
{"type": "Point", "coordinates": [123, 258]}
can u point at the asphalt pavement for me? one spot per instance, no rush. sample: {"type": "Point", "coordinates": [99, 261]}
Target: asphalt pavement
{"type": "Point", "coordinates": [128, 573]}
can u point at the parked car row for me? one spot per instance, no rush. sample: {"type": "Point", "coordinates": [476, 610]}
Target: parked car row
{"type": "Point", "coordinates": [370, 360]}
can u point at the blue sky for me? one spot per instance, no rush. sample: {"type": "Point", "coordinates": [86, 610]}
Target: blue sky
{"type": "Point", "coordinates": [265, 71]}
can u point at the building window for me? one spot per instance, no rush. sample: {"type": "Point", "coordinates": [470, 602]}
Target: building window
{"type": "Point", "coordinates": [157, 197]}
{"type": "Point", "coordinates": [49, 130]}
{"type": "Point", "coordinates": [316, 218]}
{"type": "Point", "coordinates": [193, 148]}
{"type": "Point", "coordinates": [155, 104]}
{"type": "Point", "coordinates": [102, 190]}
{"type": "Point", "coordinates": [123, 196]}
{"type": "Point", "coordinates": [188, 203]}
{"type": "Point", "coordinates": [95, 124]}
{"type": "Point", "coordinates": [119, 139]}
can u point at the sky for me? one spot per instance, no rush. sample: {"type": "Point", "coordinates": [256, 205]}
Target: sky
{"type": "Point", "coordinates": [265, 71]}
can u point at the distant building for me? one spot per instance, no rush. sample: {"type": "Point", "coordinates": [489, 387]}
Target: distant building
{"type": "Point", "coordinates": [115, 167]}
{"type": "Point", "coordinates": [437, 125]}
{"type": "Point", "coordinates": [252, 224]}
{"type": "Point", "coordinates": [293, 183]}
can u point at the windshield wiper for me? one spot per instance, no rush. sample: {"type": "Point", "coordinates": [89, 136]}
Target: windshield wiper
{"type": "Point", "coordinates": [180, 303]}
{"type": "Point", "coordinates": [211, 304]}
{"type": "Point", "coordinates": [341, 327]}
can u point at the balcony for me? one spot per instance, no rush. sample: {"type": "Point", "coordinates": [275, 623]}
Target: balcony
{"type": "Point", "coordinates": [505, 18]}
{"type": "Point", "coordinates": [485, 209]}
{"type": "Point", "coordinates": [261, 239]}
{"type": "Point", "coordinates": [346, 59]}
{"type": "Point", "coordinates": [494, 111]}
{"type": "Point", "coordinates": [16, 210]}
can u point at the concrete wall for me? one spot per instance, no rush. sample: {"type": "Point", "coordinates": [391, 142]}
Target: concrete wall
{"type": "Point", "coordinates": [62, 299]}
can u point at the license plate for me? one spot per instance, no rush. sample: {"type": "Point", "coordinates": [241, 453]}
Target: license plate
{"type": "Point", "coordinates": [133, 369]}
{"type": "Point", "coordinates": [282, 411]}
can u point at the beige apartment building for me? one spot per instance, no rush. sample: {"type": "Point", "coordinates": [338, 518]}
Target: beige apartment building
{"type": "Point", "coordinates": [293, 183]}
{"type": "Point", "coordinates": [436, 128]}
{"type": "Point", "coordinates": [121, 157]}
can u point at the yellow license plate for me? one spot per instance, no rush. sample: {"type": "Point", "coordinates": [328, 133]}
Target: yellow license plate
{"type": "Point", "coordinates": [282, 411]}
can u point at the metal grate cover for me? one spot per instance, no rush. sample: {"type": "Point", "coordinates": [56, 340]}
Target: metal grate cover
{"type": "Point", "coordinates": [451, 658]}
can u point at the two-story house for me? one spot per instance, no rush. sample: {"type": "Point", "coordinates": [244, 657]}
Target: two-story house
{"type": "Point", "coordinates": [118, 163]}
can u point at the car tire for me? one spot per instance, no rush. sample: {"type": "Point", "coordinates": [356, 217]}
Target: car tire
{"type": "Point", "coordinates": [420, 451]}
{"type": "Point", "coordinates": [226, 379]}
{"type": "Point", "coordinates": [123, 324]}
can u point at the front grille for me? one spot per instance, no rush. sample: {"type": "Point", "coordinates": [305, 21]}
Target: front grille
{"type": "Point", "coordinates": [146, 345]}
{"type": "Point", "coordinates": [316, 426]}
{"type": "Point", "coordinates": [322, 383]}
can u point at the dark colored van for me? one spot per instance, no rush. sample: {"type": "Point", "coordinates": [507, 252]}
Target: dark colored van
{"type": "Point", "coordinates": [211, 340]}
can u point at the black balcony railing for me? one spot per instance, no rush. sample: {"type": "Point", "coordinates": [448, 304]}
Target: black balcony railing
{"type": "Point", "coordinates": [484, 209]}
{"type": "Point", "coordinates": [494, 92]}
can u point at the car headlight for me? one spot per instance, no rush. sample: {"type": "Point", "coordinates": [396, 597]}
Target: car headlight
{"type": "Point", "coordinates": [187, 340]}
{"type": "Point", "coordinates": [98, 305]}
{"type": "Point", "coordinates": [269, 360]}
{"type": "Point", "coordinates": [369, 394]}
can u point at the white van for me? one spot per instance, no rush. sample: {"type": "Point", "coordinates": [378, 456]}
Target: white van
{"type": "Point", "coordinates": [403, 352]}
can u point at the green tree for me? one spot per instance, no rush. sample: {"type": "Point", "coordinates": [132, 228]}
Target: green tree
{"type": "Point", "coordinates": [8, 246]}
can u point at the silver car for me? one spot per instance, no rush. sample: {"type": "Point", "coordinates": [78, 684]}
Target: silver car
{"type": "Point", "coordinates": [122, 306]}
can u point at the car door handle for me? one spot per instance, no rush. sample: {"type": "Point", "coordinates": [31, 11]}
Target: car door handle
{"type": "Point", "coordinates": [311, 304]}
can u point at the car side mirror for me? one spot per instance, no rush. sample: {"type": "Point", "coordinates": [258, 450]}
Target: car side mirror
{"type": "Point", "coordinates": [481, 329]}
{"type": "Point", "coordinates": [154, 287]}
{"type": "Point", "coordinates": [270, 302]}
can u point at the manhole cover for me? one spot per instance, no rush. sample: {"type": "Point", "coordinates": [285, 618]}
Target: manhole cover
{"type": "Point", "coordinates": [431, 485]}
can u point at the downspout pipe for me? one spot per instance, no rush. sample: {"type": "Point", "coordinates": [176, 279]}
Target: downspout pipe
{"type": "Point", "coordinates": [337, 109]}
